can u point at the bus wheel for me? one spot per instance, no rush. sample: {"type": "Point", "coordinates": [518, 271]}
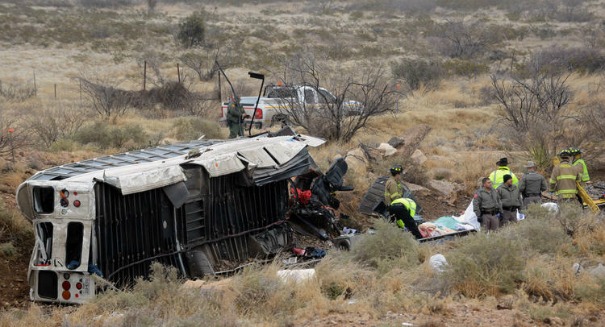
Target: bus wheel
{"type": "Point", "coordinates": [199, 265]}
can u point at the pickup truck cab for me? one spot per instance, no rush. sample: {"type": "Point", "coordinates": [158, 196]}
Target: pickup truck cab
{"type": "Point", "coordinates": [276, 101]}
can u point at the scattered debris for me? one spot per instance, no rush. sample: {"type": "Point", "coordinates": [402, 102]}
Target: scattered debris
{"type": "Point", "coordinates": [438, 262]}
{"type": "Point", "coordinates": [296, 275]}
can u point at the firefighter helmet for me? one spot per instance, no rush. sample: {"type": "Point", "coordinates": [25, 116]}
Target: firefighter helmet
{"type": "Point", "coordinates": [396, 169]}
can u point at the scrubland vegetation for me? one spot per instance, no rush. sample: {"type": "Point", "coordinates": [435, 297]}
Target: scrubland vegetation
{"type": "Point", "coordinates": [489, 78]}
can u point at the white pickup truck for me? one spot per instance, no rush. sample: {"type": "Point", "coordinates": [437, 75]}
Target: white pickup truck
{"type": "Point", "coordinates": [274, 105]}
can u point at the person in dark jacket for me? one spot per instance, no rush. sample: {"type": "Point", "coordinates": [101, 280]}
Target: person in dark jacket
{"type": "Point", "coordinates": [486, 205]}
{"type": "Point", "coordinates": [510, 198]}
{"type": "Point", "coordinates": [532, 185]}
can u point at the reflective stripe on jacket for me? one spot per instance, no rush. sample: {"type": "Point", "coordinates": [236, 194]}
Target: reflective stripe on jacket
{"type": "Point", "coordinates": [497, 176]}
{"type": "Point", "coordinates": [408, 203]}
{"type": "Point", "coordinates": [563, 179]}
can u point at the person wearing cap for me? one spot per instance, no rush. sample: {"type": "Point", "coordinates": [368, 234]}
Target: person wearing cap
{"type": "Point", "coordinates": [578, 161]}
{"type": "Point", "coordinates": [564, 177]}
{"type": "Point", "coordinates": [532, 185]}
{"type": "Point", "coordinates": [235, 117]}
{"type": "Point", "coordinates": [487, 205]}
{"type": "Point", "coordinates": [393, 188]}
{"type": "Point", "coordinates": [497, 175]}
{"type": "Point", "coordinates": [510, 198]}
{"type": "Point", "coordinates": [404, 210]}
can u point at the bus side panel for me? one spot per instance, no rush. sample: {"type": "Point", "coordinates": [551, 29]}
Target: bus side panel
{"type": "Point", "coordinates": [230, 213]}
{"type": "Point", "coordinates": [133, 231]}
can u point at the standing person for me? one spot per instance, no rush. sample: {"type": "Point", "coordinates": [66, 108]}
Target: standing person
{"type": "Point", "coordinates": [564, 177]}
{"type": "Point", "coordinates": [497, 175]}
{"type": "Point", "coordinates": [486, 205]}
{"type": "Point", "coordinates": [393, 188]}
{"type": "Point", "coordinates": [235, 118]}
{"type": "Point", "coordinates": [404, 210]}
{"type": "Point", "coordinates": [532, 185]}
{"type": "Point", "coordinates": [510, 198]}
{"type": "Point", "coordinates": [578, 161]}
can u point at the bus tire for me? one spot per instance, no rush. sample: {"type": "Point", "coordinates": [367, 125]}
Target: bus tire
{"type": "Point", "coordinates": [199, 265]}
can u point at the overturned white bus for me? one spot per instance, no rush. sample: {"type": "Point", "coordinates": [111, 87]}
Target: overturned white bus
{"type": "Point", "coordinates": [203, 207]}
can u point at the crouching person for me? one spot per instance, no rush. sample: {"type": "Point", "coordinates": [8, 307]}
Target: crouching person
{"type": "Point", "coordinates": [510, 198]}
{"type": "Point", "coordinates": [404, 210]}
{"type": "Point", "coordinates": [486, 205]}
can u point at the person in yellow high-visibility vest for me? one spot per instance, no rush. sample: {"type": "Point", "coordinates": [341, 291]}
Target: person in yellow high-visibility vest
{"type": "Point", "coordinates": [578, 161]}
{"type": "Point", "coordinates": [404, 210]}
{"type": "Point", "coordinates": [497, 175]}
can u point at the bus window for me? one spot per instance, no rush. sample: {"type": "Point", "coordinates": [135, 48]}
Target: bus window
{"type": "Point", "coordinates": [44, 243]}
{"type": "Point", "coordinates": [73, 245]}
{"type": "Point", "coordinates": [44, 199]}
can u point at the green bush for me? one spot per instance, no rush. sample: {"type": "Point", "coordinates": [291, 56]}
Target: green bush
{"type": "Point", "coordinates": [466, 68]}
{"type": "Point", "coordinates": [389, 245]}
{"type": "Point", "coordinates": [104, 136]}
{"type": "Point", "coordinates": [192, 30]}
{"type": "Point", "coordinates": [7, 250]}
{"type": "Point", "coordinates": [191, 128]}
{"type": "Point", "coordinates": [485, 264]}
{"type": "Point", "coordinates": [418, 72]}
{"type": "Point", "coordinates": [539, 231]}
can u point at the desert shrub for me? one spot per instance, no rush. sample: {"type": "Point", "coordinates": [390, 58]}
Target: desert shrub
{"type": "Point", "coordinates": [7, 250]}
{"type": "Point", "coordinates": [539, 231]}
{"type": "Point", "coordinates": [14, 229]}
{"type": "Point", "coordinates": [418, 72]}
{"type": "Point", "coordinates": [582, 60]}
{"type": "Point", "coordinates": [160, 298]}
{"type": "Point", "coordinates": [191, 128]}
{"type": "Point", "coordinates": [459, 39]}
{"type": "Point", "coordinates": [192, 30]}
{"type": "Point", "coordinates": [339, 276]}
{"type": "Point", "coordinates": [389, 245]}
{"type": "Point", "coordinates": [255, 287]}
{"type": "Point", "coordinates": [53, 123]}
{"type": "Point", "coordinates": [106, 3]}
{"type": "Point", "coordinates": [64, 145]}
{"type": "Point", "coordinates": [16, 91]}
{"type": "Point", "coordinates": [573, 219]}
{"type": "Point", "coordinates": [131, 134]}
{"type": "Point", "coordinates": [592, 290]}
{"type": "Point", "coordinates": [485, 264]}
{"type": "Point", "coordinates": [466, 68]}
{"type": "Point", "coordinates": [105, 136]}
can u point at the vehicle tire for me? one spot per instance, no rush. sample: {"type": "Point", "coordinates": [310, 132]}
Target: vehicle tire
{"type": "Point", "coordinates": [199, 265]}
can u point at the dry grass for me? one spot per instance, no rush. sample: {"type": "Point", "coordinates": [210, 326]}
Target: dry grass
{"type": "Point", "coordinates": [388, 271]}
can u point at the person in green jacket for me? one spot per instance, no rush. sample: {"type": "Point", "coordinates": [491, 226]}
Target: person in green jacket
{"type": "Point", "coordinates": [497, 175]}
{"type": "Point", "coordinates": [235, 118]}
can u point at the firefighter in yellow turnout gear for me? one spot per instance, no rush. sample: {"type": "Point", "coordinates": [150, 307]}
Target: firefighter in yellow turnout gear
{"type": "Point", "coordinates": [564, 177]}
{"type": "Point", "coordinates": [403, 209]}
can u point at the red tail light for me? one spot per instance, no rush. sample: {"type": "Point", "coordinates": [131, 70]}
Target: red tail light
{"type": "Point", "coordinates": [259, 114]}
{"type": "Point", "coordinates": [79, 285]}
{"type": "Point", "coordinates": [77, 203]}
{"type": "Point", "coordinates": [66, 285]}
